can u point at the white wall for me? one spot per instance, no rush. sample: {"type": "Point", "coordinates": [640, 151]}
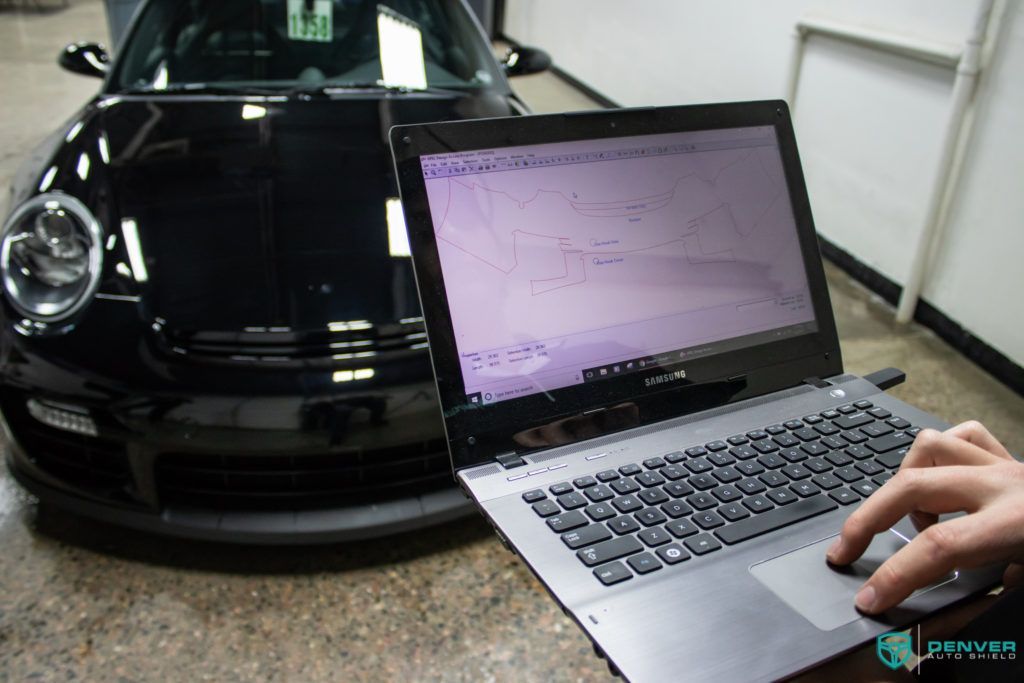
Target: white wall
{"type": "Point", "coordinates": [868, 124]}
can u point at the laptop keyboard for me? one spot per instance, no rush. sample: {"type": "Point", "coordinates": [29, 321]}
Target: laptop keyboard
{"type": "Point", "coordinates": [681, 505]}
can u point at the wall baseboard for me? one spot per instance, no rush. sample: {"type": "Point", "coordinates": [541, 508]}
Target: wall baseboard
{"type": "Point", "coordinates": [987, 358]}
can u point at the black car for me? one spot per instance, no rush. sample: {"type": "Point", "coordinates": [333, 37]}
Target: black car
{"type": "Point", "coordinates": [210, 324]}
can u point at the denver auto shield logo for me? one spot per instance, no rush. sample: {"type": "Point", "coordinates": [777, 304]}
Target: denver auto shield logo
{"type": "Point", "coordinates": [893, 649]}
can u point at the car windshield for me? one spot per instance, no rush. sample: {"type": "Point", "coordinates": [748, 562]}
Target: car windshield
{"type": "Point", "coordinates": [287, 44]}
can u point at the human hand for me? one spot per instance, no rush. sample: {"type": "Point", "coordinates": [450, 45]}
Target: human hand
{"type": "Point", "coordinates": [964, 469]}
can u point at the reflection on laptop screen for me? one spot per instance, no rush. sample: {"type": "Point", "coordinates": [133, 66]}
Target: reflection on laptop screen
{"type": "Point", "coordinates": [583, 261]}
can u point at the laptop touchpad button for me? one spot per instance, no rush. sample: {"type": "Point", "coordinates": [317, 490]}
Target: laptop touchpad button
{"type": "Point", "coordinates": [824, 594]}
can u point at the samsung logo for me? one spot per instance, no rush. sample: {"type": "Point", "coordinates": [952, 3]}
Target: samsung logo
{"type": "Point", "coordinates": [667, 377]}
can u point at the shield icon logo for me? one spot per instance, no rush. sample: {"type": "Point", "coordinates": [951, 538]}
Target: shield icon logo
{"type": "Point", "coordinates": [893, 649]}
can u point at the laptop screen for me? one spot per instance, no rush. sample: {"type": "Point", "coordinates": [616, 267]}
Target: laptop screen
{"type": "Point", "coordinates": [583, 261]}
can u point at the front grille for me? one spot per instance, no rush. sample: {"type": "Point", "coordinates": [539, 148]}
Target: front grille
{"type": "Point", "coordinates": [340, 344]}
{"type": "Point", "coordinates": [301, 481]}
{"type": "Point", "coordinates": [97, 466]}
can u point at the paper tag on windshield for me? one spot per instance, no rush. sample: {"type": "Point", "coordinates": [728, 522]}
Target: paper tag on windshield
{"type": "Point", "coordinates": [310, 20]}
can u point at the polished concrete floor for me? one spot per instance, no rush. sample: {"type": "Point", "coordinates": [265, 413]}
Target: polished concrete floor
{"type": "Point", "coordinates": [85, 601]}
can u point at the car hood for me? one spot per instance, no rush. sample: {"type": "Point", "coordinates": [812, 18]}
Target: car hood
{"type": "Point", "coordinates": [261, 213]}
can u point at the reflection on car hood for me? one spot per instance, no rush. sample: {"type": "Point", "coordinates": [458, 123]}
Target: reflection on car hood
{"type": "Point", "coordinates": [267, 214]}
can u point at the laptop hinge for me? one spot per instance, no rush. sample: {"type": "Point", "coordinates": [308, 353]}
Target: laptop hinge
{"type": "Point", "coordinates": [510, 460]}
{"type": "Point", "coordinates": [816, 382]}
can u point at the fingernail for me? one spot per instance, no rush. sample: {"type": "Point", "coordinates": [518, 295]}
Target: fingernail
{"type": "Point", "coordinates": [865, 599]}
{"type": "Point", "coordinates": [833, 550]}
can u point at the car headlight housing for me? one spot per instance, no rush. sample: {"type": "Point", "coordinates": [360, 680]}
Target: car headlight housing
{"type": "Point", "coordinates": [50, 257]}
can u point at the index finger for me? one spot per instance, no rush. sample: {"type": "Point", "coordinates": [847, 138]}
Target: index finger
{"type": "Point", "coordinates": [932, 490]}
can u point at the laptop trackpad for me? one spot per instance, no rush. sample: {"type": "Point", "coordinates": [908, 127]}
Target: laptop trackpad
{"type": "Point", "coordinates": [824, 594]}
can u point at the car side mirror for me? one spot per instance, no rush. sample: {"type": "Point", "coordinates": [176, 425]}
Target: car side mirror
{"type": "Point", "coordinates": [88, 59]}
{"type": "Point", "coordinates": [520, 60]}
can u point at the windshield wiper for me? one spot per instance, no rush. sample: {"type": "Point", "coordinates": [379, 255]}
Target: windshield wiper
{"type": "Point", "coordinates": [340, 88]}
{"type": "Point", "coordinates": [201, 89]}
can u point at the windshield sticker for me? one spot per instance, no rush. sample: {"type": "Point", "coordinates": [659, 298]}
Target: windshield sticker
{"type": "Point", "coordinates": [310, 20]}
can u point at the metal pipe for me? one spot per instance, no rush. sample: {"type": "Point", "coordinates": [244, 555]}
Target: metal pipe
{"type": "Point", "coordinates": [967, 71]}
{"type": "Point", "coordinates": [933, 52]}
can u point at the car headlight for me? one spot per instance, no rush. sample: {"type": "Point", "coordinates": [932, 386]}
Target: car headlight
{"type": "Point", "coordinates": [50, 257]}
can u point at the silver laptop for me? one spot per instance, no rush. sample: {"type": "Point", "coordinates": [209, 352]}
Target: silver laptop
{"type": "Point", "coordinates": [642, 386]}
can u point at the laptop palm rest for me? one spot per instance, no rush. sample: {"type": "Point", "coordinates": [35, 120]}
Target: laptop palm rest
{"type": "Point", "coordinates": [823, 594]}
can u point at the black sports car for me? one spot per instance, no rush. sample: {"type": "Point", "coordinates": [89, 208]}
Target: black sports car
{"type": "Point", "coordinates": [210, 324]}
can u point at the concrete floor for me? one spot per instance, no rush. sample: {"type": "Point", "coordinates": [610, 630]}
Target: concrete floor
{"type": "Point", "coordinates": [85, 601]}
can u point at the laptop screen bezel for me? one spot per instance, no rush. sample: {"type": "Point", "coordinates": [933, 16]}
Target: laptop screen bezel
{"type": "Point", "coordinates": [478, 433]}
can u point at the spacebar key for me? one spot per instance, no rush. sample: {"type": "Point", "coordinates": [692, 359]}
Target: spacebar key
{"type": "Point", "coordinates": [775, 519]}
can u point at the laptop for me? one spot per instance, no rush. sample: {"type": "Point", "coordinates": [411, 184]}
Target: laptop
{"type": "Point", "coordinates": [642, 385]}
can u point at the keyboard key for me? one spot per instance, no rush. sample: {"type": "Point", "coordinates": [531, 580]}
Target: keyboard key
{"type": "Point", "coordinates": [611, 574]}
{"type": "Point", "coordinates": [623, 525]}
{"type": "Point", "coordinates": [696, 451]}
{"type": "Point", "coordinates": [702, 501]}
{"type": "Point", "coordinates": [793, 424]}
{"type": "Point", "coordinates": [737, 440]}
{"type": "Point", "coordinates": [806, 434]}
{"type": "Point", "coordinates": [676, 509]}
{"type": "Point", "coordinates": [726, 494]}
{"type": "Point", "coordinates": [681, 528]}
{"type": "Point", "coordinates": [881, 478]}
{"type": "Point", "coordinates": [624, 486]}
{"type": "Point", "coordinates": [675, 456]}
{"type": "Point", "coordinates": [534, 495]}
{"type": "Point", "coordinates": [743, 452]}
{"type": "Point", "coordinates": [677, 489]}
{"type": "Point", "coordinates": [698, 465]}
{"type": "Point", "coordinates": [897, 422]}
{"type": "Point", "coordinates": [707, 520]}
{"type": "Point", "coordinates": [890, 443]}
{"type": "Point", "coordinates": [775, 429]}
{"type": "Point", "coordinates": [781, 496]}
{"type": "Point", "coordinates": [721, 459]}
{"type": "Point", "coordinates": [795, 472]}
{"type": "Point", "coordinates": [757, 504]}
{"type": "Point", "coordinates": [827, 481]}
{"type": "Point", "coordinates": [630, 470]}
{"type": "Point", "coordinates": [913, 432]}
{"type": "Point", "coordinates": [607, 476]}
{"type": "Point", "coordinates": [653, 496]}
{"type": "Point", "coordinates": [650, 516]}
{"type": "Point", "coordinates": [829, 414]}
{"type": "Point", "coordinates": [859, 452]}
{"type": "Point", "coordinates": [584, 482]}
{"type": "Point", "coordinates": [627, 503]}
{"type": "Point", "coordinates": [875, 430]}
{"type": "Point", "coordinates": [839, 459]}
{"type": "Point", "coordinates": [765, 446]}
{"type": "Point", "coordinates": [726, 475]}
{"type": "Point", "coordinates": [786, 440]}
{"type": "Point", "coordinates": [804, 489]}
{"type": "Point", "coordinates": [773, 479]}
{"type": "Point", "coordinates": [757, 435]}
{"type": "Point", "coordinates": [733, 512]}
{"type": "Point", "coordinates": [567, 521]}
{"type": "Point", "coordinates": [848, 474]}
{"type": "Point", "coordinates": [654, 537]}
{"type": "Point", "coordinates": [832, 442]}
{"type": "Point", "coordinates": [702, 544]}
{"type": "Point", "coordinates": [814, 448]}
{"type": "Point", "coordinates": [775, 519]}
{"type": "Point", "coordinates": [869, 467]}
{"type": "Point", "coordinates": [812, 419]}
{"type": "Point", "coordinates": [672, 554]}
{"type": "Point", "coordinates": [716, 445]}
{"type": "Point", "coordinates": [863, 404]}
{"type": "Point", "coordinates": [644, 563]}
{"type": "Point", "coordinates": [598, 493]}
{"type": "Point", "coordinates": [892, 459]}
{"type": "Point", "coordinates": [546, 508]}
{"type": "Point", "coordinates": [826, 429]}
{"type": "Point", "coordinates": [654, 463]}
{"type": "Point", "coordinates": [844, 496]}
{"type": "Point", "coordinates": [793, 454]}
{"type": "Point", "coordinates": [772, 461]}
{"type": "Point", "coordinates": [703, 482]}
{"type": "Point", "coordinates": [749, 468]}
{"type": "Point", "coordinates": [846, 410]}
{"type": "Point", "coordinates": [571, 501]}
{"type": "Point", "coordinates": [599, 553]}
{"type": "Point", "coordinates": [817, 465]}
{"type": "Point", "coordinates": [853, 437]}
{"type": "Point", "coordinates": [880, 413]}
{"type": "Point", "coordinates": [559, 489]}
{"type": "Point", "coordinates": [751, 486]}
{"type": "Point", "coordinates": [864, 488]}
{"type": "Point", "coordinates": [588, 535]}
{"type": "Point", "coordinates": [599, 511]}
{"type": "Point", "coordinates": [673, 472]}
{"type": "Point", "coordinates": [648, 479]}
{"type": "Point", "coordinates": [853, 420]}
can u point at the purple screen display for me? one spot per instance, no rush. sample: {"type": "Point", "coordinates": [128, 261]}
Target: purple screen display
{"type": "Point", "coordinates": [575, 262]}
